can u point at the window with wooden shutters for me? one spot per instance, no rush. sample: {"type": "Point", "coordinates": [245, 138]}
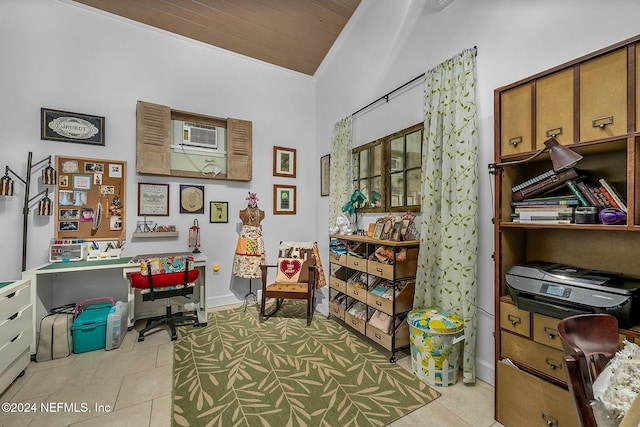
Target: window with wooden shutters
{"type": "Point", "coordinates": [156, 127]}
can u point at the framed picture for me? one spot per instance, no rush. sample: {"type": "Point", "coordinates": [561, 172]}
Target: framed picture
{"type": "Point", "coordinates": [387, 227]}
{"type": "Point", "coordinates": [284, 199]}
{"type": "Point", "coordinates": [377, 232]}
{"type": "Point", "coordinates": [284, 162]}
{"type": "Point", "coordinates": [395, 231]}
{"type": "Point", "coordinates": [325, 177]}
{"type": "Point", "coordinates": [191, 199]}
{"type": "Point", "coordinates": [153, 199]}
{"type": "Point", "coordinates": [64, 126]}
{"type": "Point", "coordinates": [81, 182]}
{"type": "Point", "coordinates": [218, 212]}
{"type": "Point", "coordinates": [371, 230]}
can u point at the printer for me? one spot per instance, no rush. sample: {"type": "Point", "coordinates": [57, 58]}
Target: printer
{"type": "Point", "coordinates": [559, 290]}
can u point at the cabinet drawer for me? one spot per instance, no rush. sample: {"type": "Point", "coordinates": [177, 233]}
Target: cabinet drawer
{"type": "Point", "coordinates": [14, 298]}
{"type": "Point", "coordinates": [357, 324]}
{"type": "Point", "coordinates": [545, 331]}
{"type": "Point", "coordinates": [514, 319]}
{"type": "Point", "coordinates": [537, 356]}
{"type": "Point", "coordinates": [384, 339]}
{"type": "Point", "coordinates": [515, 112]}
{"type": "Point", "coordinates": [12, 349]}
{"type": "Point", "coordinates": [18, 322]}
{"type": "Point", "coordinates": [524, 400]}
{"type": "Point", "coordinates": [336, 310]}
{"type": "Point", "coordinates": [403, 269]}
{"type": "Point", "coordinates": [356, 263]}
{"type": "Point", "coordinates": [603, 96]}
{"type": "Point", "coordinates": [337, 284]}
{"type": "Point", "coordinates": [337, 259]}
{"type": "Point", "coordinates": [404, 300]}
{"type": "Point", "coordinates": [554, 108]}
{"type": "Point", "coordinates": [358, 293]}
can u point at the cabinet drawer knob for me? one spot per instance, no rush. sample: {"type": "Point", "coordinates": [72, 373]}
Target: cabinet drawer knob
{"type": "Point", "coordinates": [378, 303]}
{"type": "Point", "coordinates": [552, 333]}
{"type": "Point", "coordinates": [554, 132]}
{"type": "Point", "coordinates": [514, 319]}
{"type": "Point", "coordinates": [552, 364]}
{"type": "Point", "coordinates": [601, 122]}
{"type": "Point", "coordinates": [378, 336]}
{"type": "Point", "coordinates": [515, 141]}
{"type": "Point", "coordinates": [551, 421]}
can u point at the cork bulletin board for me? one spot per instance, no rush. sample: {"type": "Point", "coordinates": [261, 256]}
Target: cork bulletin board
{"type": "Point", "coordinates": [90, 198]}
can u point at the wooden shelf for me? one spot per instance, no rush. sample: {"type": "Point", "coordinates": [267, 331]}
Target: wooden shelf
{"type": "Point", "coordinates": [153, 234]}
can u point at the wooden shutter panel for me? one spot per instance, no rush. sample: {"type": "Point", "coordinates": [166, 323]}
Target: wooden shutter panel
{"type": "Point", "coordinates": [239, 159]}
{"type": "Point", "coordinates": [153, 142]}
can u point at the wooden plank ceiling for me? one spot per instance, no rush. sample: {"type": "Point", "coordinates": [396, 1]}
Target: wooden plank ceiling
{"type": "Point", "coordinates": [294, 34]}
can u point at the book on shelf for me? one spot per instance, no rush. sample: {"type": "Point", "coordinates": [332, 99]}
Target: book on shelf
{"type": "Point", "coordinates": [567, 200]}
{"type": "Point", "coordinates": [615, 194]}
{"type": "Point", "coordinates": [533, 180]}
{"type": "Point", "coordinates": [546, 184]}
{"type": "Point", "coordinates": [549, 221]}
{"type": "Point", "coordinates": [545, 208]}
{"type": "Point", "coordinates": [573, 186]}
{"type": "Point", "coordinates": [603, 199]}
{"type": "Point", "coordinates": [544, 215]}
{"type": "Point", "coordinates": [609, 198]}
{"type": "Point", "coordinates": [584, 188]}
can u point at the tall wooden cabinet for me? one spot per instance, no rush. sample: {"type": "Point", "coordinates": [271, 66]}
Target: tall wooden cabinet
{"type": "Point", "coordinates": [357, 284]}
{"type": "Point", "coordinates": [592, 105]}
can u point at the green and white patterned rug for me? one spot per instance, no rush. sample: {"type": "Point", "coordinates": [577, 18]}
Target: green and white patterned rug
{"type": "Point", "coordinates": [240, 371]}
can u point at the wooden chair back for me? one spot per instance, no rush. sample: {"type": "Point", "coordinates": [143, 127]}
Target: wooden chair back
{"type": "Point", "coordinates": [589, 341]}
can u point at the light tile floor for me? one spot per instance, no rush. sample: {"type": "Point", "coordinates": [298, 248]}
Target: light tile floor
{"type": "Point", "coordinates": [131, 386]}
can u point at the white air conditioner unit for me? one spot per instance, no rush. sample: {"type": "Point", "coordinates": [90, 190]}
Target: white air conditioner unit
{"type": "Point", "coordinates": [197, 135]}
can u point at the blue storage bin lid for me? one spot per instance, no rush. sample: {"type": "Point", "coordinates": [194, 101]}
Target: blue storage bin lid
{"type": "Point", "coordinates": [94, 315]}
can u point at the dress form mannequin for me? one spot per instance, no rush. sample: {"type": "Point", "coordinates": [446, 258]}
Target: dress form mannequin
{"type": "Point", "coordinates": [250, 253]}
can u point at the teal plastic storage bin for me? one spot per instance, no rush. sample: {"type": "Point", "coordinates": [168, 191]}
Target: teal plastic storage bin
{"type": "Point", "coordinates": [89, 328]}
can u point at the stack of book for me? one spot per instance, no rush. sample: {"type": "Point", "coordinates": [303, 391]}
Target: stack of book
{"type": "Point", "coordinates": [545, 210]}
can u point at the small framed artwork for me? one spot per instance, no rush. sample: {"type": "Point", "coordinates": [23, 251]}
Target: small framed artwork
{"type": "Point", "coordinates": [395, 231]}
{"type": "Point", "coordinates": [284, 199]}
{"type": "Point", "coordinates": [387, 227]}
{"type": "Point", "coordinates": [153, 199]}
{"type": "Point", "coordinates": [325, 177]}
{"type": "Point", "coordinates": [371, 230]}
{"type": "Point", "coordinates": [64, 126]}
{"type": "Point", "coordinates": [377, 231]}
{"type": "Point", "coordinates": [63, 181]}
{"type": "Point", "coordinates": [284, 162]}
{"type": "Point", "coordinates": [218, 212]}
{"type": "Point", "coordinates": [81, 182]}
{"type": "Point", "coordinates": [192, 199]}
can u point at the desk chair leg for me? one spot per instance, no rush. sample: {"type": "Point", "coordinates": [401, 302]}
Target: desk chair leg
{"type": "Point", "coordinates": [169, 320]}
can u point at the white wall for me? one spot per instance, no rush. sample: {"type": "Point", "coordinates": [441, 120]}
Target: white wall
{"type": "Point", "coordinates": [388, 43]}
{"type": "Point", "coordinates": [60, 55]}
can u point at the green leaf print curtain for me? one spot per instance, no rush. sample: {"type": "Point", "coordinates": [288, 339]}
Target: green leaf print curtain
{"type": "Point", "coordinates": [446, 276]}
{"type": "Point", "coordinates": [341, 181]}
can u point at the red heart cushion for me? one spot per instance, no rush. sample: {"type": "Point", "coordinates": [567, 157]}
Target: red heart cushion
{"type": "Point", "coordinates": [290, 267]}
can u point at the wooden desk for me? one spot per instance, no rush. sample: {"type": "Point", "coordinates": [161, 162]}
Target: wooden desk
{"type": "Point", "coordinates": [57, 271]}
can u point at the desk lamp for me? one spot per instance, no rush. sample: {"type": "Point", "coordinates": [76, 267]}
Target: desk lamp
{"type": "Point", "coordinates": [561, 157]}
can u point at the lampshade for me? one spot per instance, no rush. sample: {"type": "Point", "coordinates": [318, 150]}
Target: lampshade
{"type": "Point", "coordinates": [49, 175]}
{"type": "Point", "coordinates": [561, 157]}
{"type": "Point", "coordinates": [6, 185]}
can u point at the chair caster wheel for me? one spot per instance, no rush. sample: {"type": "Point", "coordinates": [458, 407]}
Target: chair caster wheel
{"type": "Point", "coordinates": [203, 324]}
{"type": "Point", "coordinates": [174, 337]}
{"type": "Point", "coordinates": [140, 339]}
{"type": "Point", "coordinates": [392, 359]}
